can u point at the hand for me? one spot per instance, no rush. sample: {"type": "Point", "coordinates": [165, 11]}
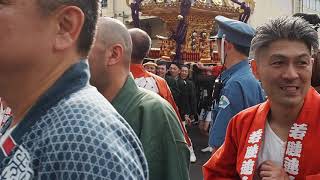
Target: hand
{"type": "Point", "coordinates": [200, 65]}
{"type": "Point", "coordinates": [270, 171]}
{"type": "Point", "coordinates": [187, 119]}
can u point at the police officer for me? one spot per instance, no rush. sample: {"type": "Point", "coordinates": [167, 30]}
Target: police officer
{"type": "Point", "coordinates": [239, 88]}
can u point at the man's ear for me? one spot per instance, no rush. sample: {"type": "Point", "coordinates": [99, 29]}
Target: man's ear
{"type": "Point", "coordinates": [254, 68]}
{"type": "Point", "coordinates": [69, 23]}
{"type": "Point", "coordinates": [114, 54]}
{"type": "Point", "coordinates": [228, 45]}
{"type": "Point", "coordinates": [258, 67]}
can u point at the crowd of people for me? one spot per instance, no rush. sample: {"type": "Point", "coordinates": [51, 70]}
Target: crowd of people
{"type": "Point", "coordinates": [78, 101]}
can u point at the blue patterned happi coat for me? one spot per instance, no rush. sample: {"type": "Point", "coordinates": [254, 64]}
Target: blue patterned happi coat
{"type": "Point", "coordinates": [72, 132]}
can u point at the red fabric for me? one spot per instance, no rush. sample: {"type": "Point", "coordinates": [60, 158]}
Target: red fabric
{"type": "Point", "coordinates": [216, 70]}
{"type": "Point", "coordinates": [8, 145]}
{"type": "Point", "coordinates": [138, 71]}
{"type": "Point", "coordinates": [227, 161]}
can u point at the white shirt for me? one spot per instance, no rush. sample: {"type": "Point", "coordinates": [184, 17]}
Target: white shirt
{"type": "Point", "coordinates": [147, 83]}
{"type": "Point", "coordinates": [272, 147]}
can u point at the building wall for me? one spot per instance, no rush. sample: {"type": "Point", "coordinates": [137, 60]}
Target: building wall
{"type": "Point", "coordinates": [122, 11]}
{"type": "Point", "coordinates": [309, 6]}
{"type": "Point", "coordinates": [119, 9]}
{"type": "Point", "coordinates": [109, 10]}
{"type": "Point", "coordinates": [266, 9]}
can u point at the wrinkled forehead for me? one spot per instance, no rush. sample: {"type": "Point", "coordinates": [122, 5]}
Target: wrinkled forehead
{"type": "Point", "coordinates": [284, 48]}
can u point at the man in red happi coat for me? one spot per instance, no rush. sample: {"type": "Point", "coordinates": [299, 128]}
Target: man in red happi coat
{"type": "Point", "coordinates": [277, 139]}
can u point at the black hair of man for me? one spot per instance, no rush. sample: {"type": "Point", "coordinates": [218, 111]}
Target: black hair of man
{"type": "Point", "coordinates": [177, 64]}
{"type": "Point", "coordinates": [162, 62]}
{"type": "Point", "coordinates": [184, 65]}
{"type": "Point", "coordinates": [242, 49]}
{"type": "Point", "coordinates": [313, 19]}
{"type": "Point", "coordinates": [141, 45]}
{"type": "Point", "coordinates": [90, 11]}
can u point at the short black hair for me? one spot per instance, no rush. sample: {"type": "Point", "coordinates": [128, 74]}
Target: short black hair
{"type": "Point", "coordinates": [162, 63]}
{"type": "Point", "coordinates": [313, 19]}
{"type": "Point", "coordinates": [184, 65]}
{"type": "Point", "coordinates": [177, 64]}
{"type": "Point", "coordinates": [242, 49]}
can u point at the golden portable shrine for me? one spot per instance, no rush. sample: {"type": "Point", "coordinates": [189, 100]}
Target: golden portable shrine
{"type": "Point", "coordinates": [196, 45]}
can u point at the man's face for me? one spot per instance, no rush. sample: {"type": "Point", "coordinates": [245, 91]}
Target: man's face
{"type": "Point", "coordinates": [150, 68]}
{"type": "Point", "coordinates": [25, 35]}
{"type": "Point", "coordinates": [97, 64]}
{"type": "Point", "coordinates": [162, 70]}
{"type": "Point", "coordinates": [184, 73]}
{"type": "Point", "coordinates": [174, 70]}
{"type": "Point", "coordinates": [285, 69]}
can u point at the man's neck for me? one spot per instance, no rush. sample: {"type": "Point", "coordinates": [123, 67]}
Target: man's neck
{"type": "Point", "coordinates": [175, 77]}
{"type": "Point", "coordinates": [24, 88]}
{"type": "Point", "coordinates": [233, 59]}
{"type": "Point", "coordinates": [114, 85]}
{"type": "Point", "coordinates": [281, 119]}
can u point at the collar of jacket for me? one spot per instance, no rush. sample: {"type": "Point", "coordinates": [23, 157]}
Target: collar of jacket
{"type": "Point", "coordinates": [138, 71]}
{"type": "Point", "coordinates": [74, 79]}
{"type": "Point", "coordinates": [129, 89]}
{"type": "Point", "coordinates": [241, 66]}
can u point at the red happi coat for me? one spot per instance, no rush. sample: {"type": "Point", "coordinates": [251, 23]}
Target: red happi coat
{"type": "Point", "coordinates": [237, 159]}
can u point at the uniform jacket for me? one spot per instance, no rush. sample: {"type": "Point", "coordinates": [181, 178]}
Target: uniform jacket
{"type": "Point", "coordinates": [240, 91]}
{"type": "Point", "coordinates": [156, 124]}
{"type": "Point", "coordinates": [237, 157]}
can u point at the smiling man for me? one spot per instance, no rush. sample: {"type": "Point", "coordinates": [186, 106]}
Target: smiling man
{"type": "Point", "coordinates": [276, 139]}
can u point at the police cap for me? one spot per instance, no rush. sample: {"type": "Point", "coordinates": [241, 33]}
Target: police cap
{"type": "Point", "coordinates": [236, 32]}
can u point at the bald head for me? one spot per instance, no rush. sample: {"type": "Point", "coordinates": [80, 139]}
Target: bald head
{"type": "Point", "coordinates": [110, 55]}
{"type": "Point", "coordinates": [141, 44]}
{"type": "Point", "coordinates": [112, 31]}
